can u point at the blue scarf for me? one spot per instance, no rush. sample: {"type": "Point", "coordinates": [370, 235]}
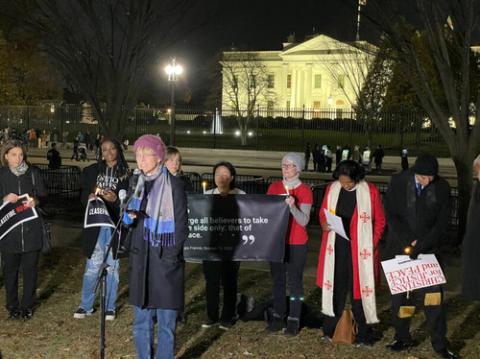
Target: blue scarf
{"type": "Point", "coordinates": [159, 224]}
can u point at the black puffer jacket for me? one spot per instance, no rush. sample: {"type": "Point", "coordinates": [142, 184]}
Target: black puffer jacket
{"type": "Point", "coordinates": [26, 237]}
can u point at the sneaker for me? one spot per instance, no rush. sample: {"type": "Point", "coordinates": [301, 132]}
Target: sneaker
{"type": "Point", "coordinates": [327, 338]}
{"type": "Point", "coordinates": [209, 323]}
{"type": "Point", "coordinates": [226, 324]}
{"type": "Point", "coordinates": [27, 314]}
{"type": "Point", "coordinates": [398, 345]}
{"type": "Point", "coordinates": [14, 314]}
{"type": "Point", "coordinates": [82, 313]}
{"type": "Point", "coordinates": [110, 315]}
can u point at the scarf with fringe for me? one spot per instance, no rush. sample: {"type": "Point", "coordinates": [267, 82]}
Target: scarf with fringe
{"type": "Point", "coordinates": [159, 223]}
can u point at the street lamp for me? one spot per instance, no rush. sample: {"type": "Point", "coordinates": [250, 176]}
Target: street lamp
{"type": "Point", "coordinates": [173, 70]}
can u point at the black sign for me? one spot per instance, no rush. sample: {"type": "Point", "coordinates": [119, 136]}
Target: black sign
{"type": "Point", "coordinates": [236, 227]}
{"type": "Point", "coordinates": [13, 214]}
{"type": "Point", "coordinates": [96, 214]}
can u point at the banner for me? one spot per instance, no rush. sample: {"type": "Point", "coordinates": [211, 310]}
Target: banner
{"type": "Point", "coordinates": [250, 227]}
{"type": "Point", "coordinates": [14, 214]}
{"type": "Point", "coordinates": [404, 274]}
{"type": "Point", "coordinates": [96, 214]}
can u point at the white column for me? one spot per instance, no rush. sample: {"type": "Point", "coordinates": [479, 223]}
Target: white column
{"type": "Point", "coordinates": [308, 86]}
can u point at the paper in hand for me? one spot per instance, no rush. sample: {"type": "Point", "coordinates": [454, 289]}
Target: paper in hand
{"type": "Point", "coordinates": [336, 224]}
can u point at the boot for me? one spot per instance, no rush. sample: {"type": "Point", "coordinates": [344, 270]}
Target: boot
{"type": "Point", "coordinates": [293, 326]}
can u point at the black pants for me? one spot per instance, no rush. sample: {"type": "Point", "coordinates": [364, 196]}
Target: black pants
{"type": "Point", "coordinates": [436, 317]}
{"type": "Point", "coordinates": [342, 287]}
{"type": "Point", "coordinates": [226, 274]}
{"type": "Point", "coordinates": [295, 258]}
{"type": "Point", "coordinates": [11, 263]}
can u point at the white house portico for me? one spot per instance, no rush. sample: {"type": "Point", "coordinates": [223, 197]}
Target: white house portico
{"type": "Point", "coordinates": [319, 73]}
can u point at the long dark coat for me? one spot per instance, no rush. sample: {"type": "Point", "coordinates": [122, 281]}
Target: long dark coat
{"type": "Point", "coordinates": [163, 285]}
{"type": "Point", "coordinates": [87, 184]}
{"type": "Point", "coordinates": [471, 248]}
{"type": "Point", "coordinates": [26, 237]}
{"type": "Point", "coordinates": [425, 218]}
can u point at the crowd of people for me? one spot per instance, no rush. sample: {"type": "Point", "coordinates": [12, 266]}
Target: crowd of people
{"type": "Point", "coordinates": [322, 157]}
{"type": "Point", "coordinates": [417, 210]}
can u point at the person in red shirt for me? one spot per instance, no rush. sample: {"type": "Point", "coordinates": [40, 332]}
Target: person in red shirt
{"type": "Point", "coordinates": [298, 196]}
{"type": "Point", "coordinates": [349, 265]}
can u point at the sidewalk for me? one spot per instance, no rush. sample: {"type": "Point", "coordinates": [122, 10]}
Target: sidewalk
{"type": "Point", "coordinates": [265, 163]}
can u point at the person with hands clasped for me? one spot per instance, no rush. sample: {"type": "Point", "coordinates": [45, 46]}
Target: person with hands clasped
{"type": "Point", "coordinates": [418, 216]}
{"type": "Point", "coordinates": [20, 248]}
{"type": "Point", "coordinates": [104, 180]}
{"type": "Point", "coordinates": [299, 198]}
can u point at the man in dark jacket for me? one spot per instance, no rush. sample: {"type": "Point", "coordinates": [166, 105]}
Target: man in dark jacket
{"type": "Point", "coordinates": [418, 216]}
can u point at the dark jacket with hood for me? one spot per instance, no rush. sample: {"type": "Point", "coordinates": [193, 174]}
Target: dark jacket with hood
{"type": "Point", "coordinates": [91, 176]}
{"type": "Point", "coordinates": [425, 218]}
{"type": "Point", "coordinates": [26, 237]}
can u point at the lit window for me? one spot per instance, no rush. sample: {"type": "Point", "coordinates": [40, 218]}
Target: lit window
{"type": "Point", "coordinates": [317, 83]}
{"type": "Point", "coordinates": [341, 81]}
{"type": "Point", "coordinates": [271, 81]}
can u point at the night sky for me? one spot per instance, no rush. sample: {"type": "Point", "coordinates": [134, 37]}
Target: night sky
{"type": "Point", "coordinates": [248, 25]}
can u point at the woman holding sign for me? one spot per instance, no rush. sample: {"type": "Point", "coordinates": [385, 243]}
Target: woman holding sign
{"type": "Point", "coordinates": [299, 198]}
{"type": "Point", "coordinates": [157, 213]}
{"type": "Point", "coordinates": [226, 271]}
{"type": "Point", "coordinates": [102, 180]}
{"type": "Point", "coordinates": [348, 265]}
{"type": "Point", "coordinates": [20, 247]}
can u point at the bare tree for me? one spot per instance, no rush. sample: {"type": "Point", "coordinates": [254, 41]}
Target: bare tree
{"type": "Point", "coordinates": [246, 85]}
{"type": "Point", "coordinates": [362, 73]}
{"type": "Point", "coordinates": [103, 47]}
{"type": "Point", "coordinates": [444, 71]}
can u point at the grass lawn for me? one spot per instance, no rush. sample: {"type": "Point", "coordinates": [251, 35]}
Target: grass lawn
{"type": "Point", "coordinates": [53, 333]}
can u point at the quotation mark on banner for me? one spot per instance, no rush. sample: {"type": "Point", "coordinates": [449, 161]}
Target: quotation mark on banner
{"type": "Point", "coordinates": [248, 239]}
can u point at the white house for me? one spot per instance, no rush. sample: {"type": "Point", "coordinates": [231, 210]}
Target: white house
{"type": "Point", "coordinates": [320, 73]}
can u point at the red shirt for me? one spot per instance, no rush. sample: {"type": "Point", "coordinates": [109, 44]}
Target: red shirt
{"type": "Point", "coordinates": [296, 234]}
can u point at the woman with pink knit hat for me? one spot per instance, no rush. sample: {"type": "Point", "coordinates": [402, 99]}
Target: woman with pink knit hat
{"type": "Point", "coordinates": [157, 213]}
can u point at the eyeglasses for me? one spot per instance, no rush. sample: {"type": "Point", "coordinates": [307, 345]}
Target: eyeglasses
{"type": "Point", "coordinates": [287, 167]}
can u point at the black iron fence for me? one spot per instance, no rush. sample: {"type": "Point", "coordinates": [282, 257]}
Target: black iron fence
{"type": "Point", "coordinates": [264, 129]}
{"type": "Point", "coordinates": [63, 186]}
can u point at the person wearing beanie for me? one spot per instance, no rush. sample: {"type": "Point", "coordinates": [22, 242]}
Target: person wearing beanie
{"type": "Point", "coordinates": [349, 267]}
{"type": "Point", "coordinates": [418, 215]}
{"type": "Point", "coordinates": [298, 196]}
{"type": "Point", "coordinates": [157, 213]}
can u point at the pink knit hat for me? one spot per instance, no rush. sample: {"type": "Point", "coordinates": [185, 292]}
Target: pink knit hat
{"type": "Point", "coordinates": [152, 142]}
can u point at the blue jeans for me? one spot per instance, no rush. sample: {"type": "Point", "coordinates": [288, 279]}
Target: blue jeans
{"type": "Point", "coordinates": [91, 273]}
{"type": "Point", "coordinates": [143, 332]}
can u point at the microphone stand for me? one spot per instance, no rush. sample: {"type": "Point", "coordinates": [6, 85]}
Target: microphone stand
{"type": "Point", "coordinates": [102, 281]}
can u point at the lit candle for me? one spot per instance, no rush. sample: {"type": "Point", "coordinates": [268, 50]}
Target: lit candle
{"type": "Point", "coordinates": [407, 250]}
{"type": "Point", "coordinates": [286, 189]}
{"type": "Point", "coordinates": [97, 191]}
{"type": "Point", "coordinates": [204, 186]}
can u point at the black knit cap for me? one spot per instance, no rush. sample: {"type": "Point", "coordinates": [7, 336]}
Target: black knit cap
{"type": "Point", "coordinates": [426, 165]}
